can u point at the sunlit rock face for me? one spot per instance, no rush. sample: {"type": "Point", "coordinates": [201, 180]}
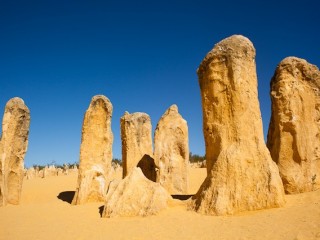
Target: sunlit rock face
{"type": "Point", "coordinates": [136, 141]}
{"type": "Point", "coordinates": [241, 175]}
{"type": "Point", "coordinates": [95, 152]}
{"type": "Point", "coordinates": [294, 130]}
{"type": "Point", "coordinates": [135, 195]}
{"type": "Point", "coordinates": [172, 151]}
{"type": "Point", "coordinates": [13, 147]}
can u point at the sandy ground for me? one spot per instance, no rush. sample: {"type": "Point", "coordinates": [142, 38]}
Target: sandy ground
{"type": "Point", "coordinates": [45, 213]}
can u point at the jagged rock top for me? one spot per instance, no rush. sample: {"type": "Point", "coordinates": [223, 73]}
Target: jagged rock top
{"type": "Point", "coordinates": [134, 116]}
{"type": "Point", "coordinates": [236, 46]}
{"type": "Point", "coordinates": [173, 109]}
{"type": "Point", "coordinates": [18, 103]}
{"type": "Point", "coordinates": [298, 67]}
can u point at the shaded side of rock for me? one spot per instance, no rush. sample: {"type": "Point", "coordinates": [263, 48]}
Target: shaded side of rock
{"type": "Point", "coordinates": [148, 167]}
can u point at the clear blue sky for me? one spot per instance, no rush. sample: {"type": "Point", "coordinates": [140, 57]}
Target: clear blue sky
{"type": "Point", "coordinates": [142, 55]}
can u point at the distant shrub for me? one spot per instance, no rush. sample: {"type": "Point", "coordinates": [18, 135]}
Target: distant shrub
{"type": "Point", "coordinates": [75, 164]}
{"type": "Point", "coordinates": [193, 158]}
{"type": "Point", "coordinates": [40, 167]}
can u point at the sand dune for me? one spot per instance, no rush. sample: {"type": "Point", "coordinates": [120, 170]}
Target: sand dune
{"type": "Point", "coordinates": [45, 213]}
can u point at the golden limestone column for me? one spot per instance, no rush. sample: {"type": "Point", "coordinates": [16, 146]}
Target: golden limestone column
{"type": "Point", "coordinates": [13, 147]}
{"type": "Point", "coordinates": [136, 141]}
{"type": "Point", "coordinates": [294, 130]}
{"type": "Point", "coordinates": [241, 175]}
{"type": "Point", "coordinates": [95, 152]}
{"type": "Point", "coordinates": [171, 151]}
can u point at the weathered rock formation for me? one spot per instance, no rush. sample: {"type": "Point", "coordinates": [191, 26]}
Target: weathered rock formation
{"type": "Point", "coordinates": [50, 171]}
{"type": "Point", "coordinates": [95, 152]}
{"type": "Point", "coordinates": [171, 151]}
{"type": "Point", "coordinates": [241, 175]}
{"type": "Point", "coordinates": [13, 147]}
{"type": "Point", "coordinates": [202, 164]}
{"type": "Point", "coordinates": [135, 195]}
{"type": "Point", "coordinates": [73, 170]}
{"type": "Point", "coordinates": [137, 144]}
{"type": "Point", "coordinates": [294, 131]}
{"type": "Point", "coordinates": [30, 173]}
{"type": "Point", "coordinates": [60, 172]}
{"type": "Point", "coordinates": [65, 169]}
{"type": "Point", "coordinates": [42, 173]}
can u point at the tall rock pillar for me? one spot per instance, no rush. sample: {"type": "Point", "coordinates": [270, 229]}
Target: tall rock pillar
{"type": "Point", "coordinates": [294, 130]}
{"type": "Point", "coordinates": [13, 147]}
{"type": "Point", "coordinates": [95, 152]}
{"type": "Point", "coordinates": [171, 151]}
{"type": "Point", "coordinates": [137, 144]}
{"type": "Point", "coordinates": [241, 175]}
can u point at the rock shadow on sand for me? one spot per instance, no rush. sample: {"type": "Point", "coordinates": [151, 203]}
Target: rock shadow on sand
{"type": "Point", "coordinates": [101, 208]}
{"type": "Point", "coordinates": [181, 197]}
{"type": "Point", "coordinates": [66, 196]}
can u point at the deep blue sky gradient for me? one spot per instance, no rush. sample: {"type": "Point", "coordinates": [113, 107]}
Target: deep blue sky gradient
{"type": "Point", "coordinates": [142, 55]}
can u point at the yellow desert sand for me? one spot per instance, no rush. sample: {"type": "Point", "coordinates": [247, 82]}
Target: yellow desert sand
{"type": "Point", "coordinates": [45, 212]}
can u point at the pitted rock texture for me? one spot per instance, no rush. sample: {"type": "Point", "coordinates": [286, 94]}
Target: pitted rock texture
{"type": "Point", "coordinates": [241, 175]}
{"type": "Point", "coordinates": [171, 151]}
{"type": "Point", "coordinates": [294, 130]}
{"type": "Point", "coordinates": [95, 152]}
{"type": "Point", "coordinates": [137, 144]}
{"type": "Point", "coordinates": [135, 195]}
{"type": "Point", "coordinates": [13, 147]}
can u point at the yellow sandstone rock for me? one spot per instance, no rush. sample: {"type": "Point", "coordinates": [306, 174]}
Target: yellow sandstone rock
{"type": "Point", "coordinates": [95, 152]}
{"type": "Point", "coordinates": [13, 147]}
{"type": "Point", "coordinates": [137, 144]}
{"type": "Point", "coordinates": [294, 131]}
{"type": "Point", "coordinates": [241, 175]}
{"type": "Point", "coordinates": [171, 151]}
{"type": "Point", "coordinates": [135, 195]}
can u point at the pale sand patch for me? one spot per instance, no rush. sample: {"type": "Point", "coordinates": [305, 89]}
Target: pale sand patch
{"type": "Point", "coordinates": [42, 215]}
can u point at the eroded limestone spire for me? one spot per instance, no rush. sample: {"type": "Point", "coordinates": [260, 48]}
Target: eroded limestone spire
{"type": "Point", "coordinates": [294, 130]}
{"type": "Point", "coordinates": [95, 152]}
{"type": "Point", "coordinates": [172, 151]}
{"type": "Point", "coordinates": [13, 147]}
{"type": "Point", "coordinates": [241, 174]}
{"type": "Point", "coordinates": [137, 144]}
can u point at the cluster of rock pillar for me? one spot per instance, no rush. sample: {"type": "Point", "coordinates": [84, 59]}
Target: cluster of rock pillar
{"type": "Point", "coordinates": [150, 178]}
{"type": "Point", "coordinates": [243, 173]}
{"type": "Point", "coordinates": [168, 165]}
